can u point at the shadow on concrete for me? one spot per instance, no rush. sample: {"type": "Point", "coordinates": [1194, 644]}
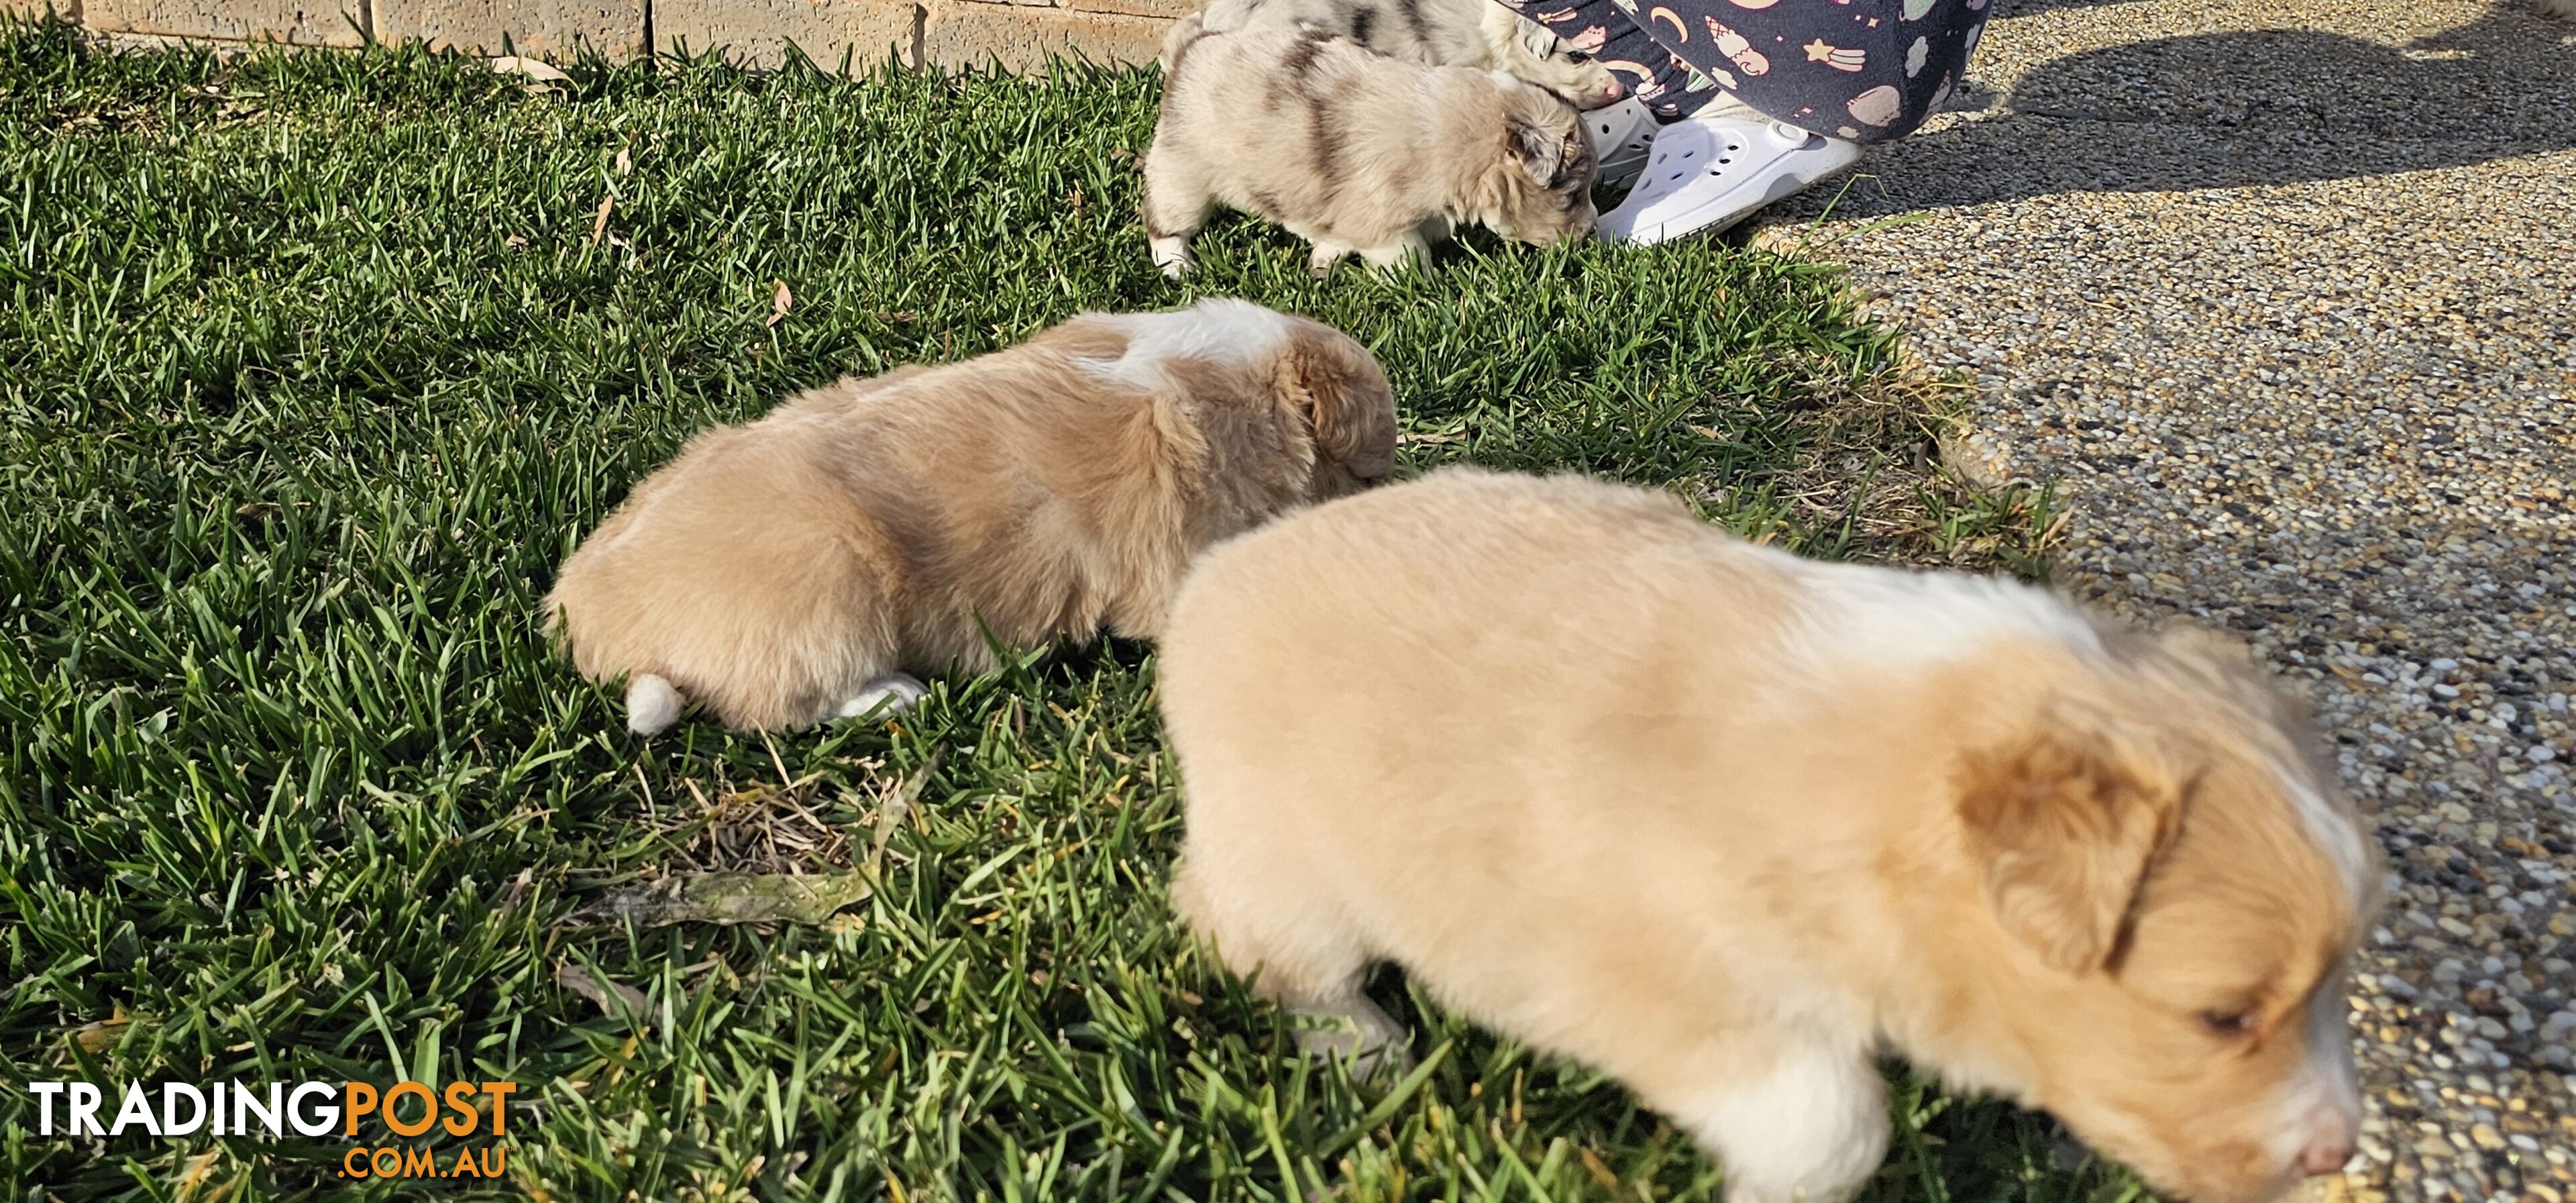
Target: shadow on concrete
{"type": "Point", "coordinates": [2240, 109]}
{"type": "Point", "coordinates": [2005, 9]}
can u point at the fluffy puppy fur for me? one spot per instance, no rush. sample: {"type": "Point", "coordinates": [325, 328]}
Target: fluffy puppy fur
{"type": "Point", "coordinates": [1440, 33]}
{"type": "Point", "coordinates": [1727, 824]}
{"type": "Point", "coordinates": [798, 568]}
{"type": "Point", "coordinates": [2564, 10]}
{"type": "Point", "coordinates": [1355, 151]}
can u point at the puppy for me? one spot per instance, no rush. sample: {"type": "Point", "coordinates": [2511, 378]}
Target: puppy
{"type": "Point", "coordinates": [1728, 824]}
{"type": "Point", "coordinates": [800, 567]}
{"type": "Point", "coordinates": [1354, 151]}
{"type": "Point", "coordinates": [2564, 10]}
{"type": "Point", "coordinates": [1440, 33]}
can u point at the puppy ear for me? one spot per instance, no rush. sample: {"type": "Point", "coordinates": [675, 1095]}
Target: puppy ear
{"type": "Point", "coordinates": [1540, 151]}
{"type": "Point", "coordinates": [2063, 824]}
{"type": "Point", "coordinates": [1331, 383]}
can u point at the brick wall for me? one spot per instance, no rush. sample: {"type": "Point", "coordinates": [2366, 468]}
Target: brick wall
{"type": "Point", "coordinates": [1019, 34]}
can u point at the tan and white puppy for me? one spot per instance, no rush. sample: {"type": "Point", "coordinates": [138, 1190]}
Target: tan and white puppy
{"type": "Point", "coordinates": [1354, 151]}
{"type": "Point", "coordinates": [802, 566]}
{"type": "Point", "coordinates": [1440, 33]}
{"type": "Point", "coordinates": [1728, 824]}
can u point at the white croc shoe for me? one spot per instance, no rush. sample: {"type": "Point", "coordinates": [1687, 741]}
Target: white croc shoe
{"type": "Point", "coordinates": [1711, 170]}
{"type": "Point", "coordinates": [1621, 135]}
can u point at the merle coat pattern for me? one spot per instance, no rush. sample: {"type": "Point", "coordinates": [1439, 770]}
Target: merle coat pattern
{"type": "Point", "coordinates": [1439, 33]}
{"type": "Point", "coordinates": [1355, 151]}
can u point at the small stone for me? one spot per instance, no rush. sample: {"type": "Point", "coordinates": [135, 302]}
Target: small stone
{"type": "Point", "coordinates": [2486, 1137]}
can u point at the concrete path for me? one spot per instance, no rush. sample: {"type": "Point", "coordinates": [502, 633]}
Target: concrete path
{"type": "Point", "coordinates": [2283, 294]}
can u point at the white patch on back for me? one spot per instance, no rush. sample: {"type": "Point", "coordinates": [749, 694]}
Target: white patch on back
{"type": "Point", "coordinates": [1222, 330]}
{"type": "Point", "coordinates": [1886, 617]}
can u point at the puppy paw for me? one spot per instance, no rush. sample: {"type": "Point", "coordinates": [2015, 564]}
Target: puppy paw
{"type": "Point", "coordinates": [652, 704]}
{"type": "Point", "coordinates": [1320, 263]}
{"type": "Point", "coordinates": [1359, 1035]}
{"type": "Point", "coordinates": [1174, 257]}
{"type": "Point", "coordinates": [884, 697]}
{"type": "Point", "coordinates": [1394, 260]}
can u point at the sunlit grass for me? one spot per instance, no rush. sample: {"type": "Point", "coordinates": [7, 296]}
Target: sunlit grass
{"type": "Point", "coordinates": [311, 368]}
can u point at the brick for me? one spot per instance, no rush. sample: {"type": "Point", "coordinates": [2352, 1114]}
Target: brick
{"type": "Point", "coordinates": [297, 22]}
{"type": "Point", "coordinates": [66, 11]}
{"type": "Point", "coordinates": [1169, 10]}
{"type": "Point", "coordinates": [756, 32]}
{"type": "Point", "coordinates": [961, 33]}
{"type": "Point", "coordinates": [536, 28]}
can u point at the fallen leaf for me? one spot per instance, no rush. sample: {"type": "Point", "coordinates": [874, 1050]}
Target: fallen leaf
{"type": "Point", "coordinates": [778, 303]}
{"type": "Point", "coordinates": [536, 69]}
{"type": "Point", "coordinates": [1600, 1172]}
{"type": "Point", "coordinates": [193, 1175]}
{"type": "Point", "coordinates": [614, 999]}
{"type": "Point", "coordinates": [599, 225]}
{"type": "Point", "coordinates": [625, 164]}
{"type": "Point", "coordinates": [99, 1035]}
{"type": "Point", "coordinates": [897, 807]}
{"type": "Point", "coordinates": [731, 898]}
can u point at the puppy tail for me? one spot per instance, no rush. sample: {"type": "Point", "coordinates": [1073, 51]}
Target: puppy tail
{"type": "Point", "coordinates": [1185, 31]}
{"type": "Point", "coordinates": [652, 704]}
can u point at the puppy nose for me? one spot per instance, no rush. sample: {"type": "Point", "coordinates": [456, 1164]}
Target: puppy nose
{"type": "Point", "coordinates": [1611, 92]}
{"type": "Point", "coordinates": [2329, 1147]}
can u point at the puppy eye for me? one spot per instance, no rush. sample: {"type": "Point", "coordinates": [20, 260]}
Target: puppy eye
{"type": "Point", "coordinates": [2228, 1025]}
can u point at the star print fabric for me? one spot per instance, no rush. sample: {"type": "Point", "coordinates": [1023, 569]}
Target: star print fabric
{"type": "Point", "coordinates": [1861, 70]}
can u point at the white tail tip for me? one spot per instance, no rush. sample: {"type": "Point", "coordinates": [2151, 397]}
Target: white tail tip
{"type": "Point", "coordinates": [652, 704]}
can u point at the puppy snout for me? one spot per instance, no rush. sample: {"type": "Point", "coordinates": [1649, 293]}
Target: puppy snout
{"type": "Point", "coordinates": [2326, 1154]}
{"type": "Point", "coordinates": [2329, 1142]}
{"type": "Point", "coordinates": [1612, 91]}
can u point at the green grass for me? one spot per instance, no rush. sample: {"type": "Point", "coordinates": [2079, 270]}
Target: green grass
{"type": "Point", "coordinates": [311, 369]}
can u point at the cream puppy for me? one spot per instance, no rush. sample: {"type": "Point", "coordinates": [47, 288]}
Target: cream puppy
{"type": "Point", "coordinates": [1440, 33]}
{"type": "Point", "coordinates": [803, 566]}
{"type": "Point", "coordinates": [1354, 151]}
{"type": "Point", "coordinates": [1728, 824]}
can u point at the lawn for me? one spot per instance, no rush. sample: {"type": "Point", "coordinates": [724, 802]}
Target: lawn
{"type": "Point", "coordinates": [311, 369]}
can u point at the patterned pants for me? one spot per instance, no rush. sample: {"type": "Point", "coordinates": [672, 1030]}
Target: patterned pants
{"type": "Point", "coordinates": [1861, 70]}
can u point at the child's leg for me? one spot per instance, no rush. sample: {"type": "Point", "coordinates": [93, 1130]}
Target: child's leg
{"type": "Point", "coordinates": [1605, 30]}
{"type": "Point", "coordinates": [1860, 70]}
